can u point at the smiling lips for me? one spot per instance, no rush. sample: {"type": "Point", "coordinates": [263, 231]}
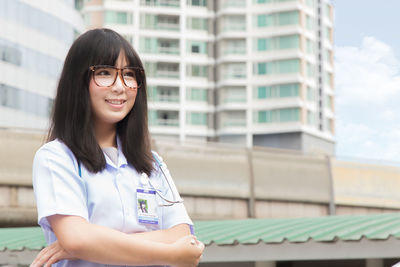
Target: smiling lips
{"type": "Point", "coordinates": [115, 101]}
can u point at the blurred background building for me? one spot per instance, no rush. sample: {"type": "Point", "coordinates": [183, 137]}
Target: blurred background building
{"type": "Point", "coordinates": [247, 72]}
{"type": "Point", "coordinates": [34, 39]}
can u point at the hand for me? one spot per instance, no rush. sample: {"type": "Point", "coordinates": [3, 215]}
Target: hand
{"type": "Point", "coordinates": [51, 255]}
{"type": "Point", "coordinates": [188, 251]}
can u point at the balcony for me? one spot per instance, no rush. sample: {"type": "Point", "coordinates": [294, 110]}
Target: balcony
{"type": "Point", "coordinates": [234, 27]}
{"type": "Point", "coordinates": [234, 99]}
{"type": "Point", "coordinates": [162, 3]}
{"type": "Point", "coordinates": [164, 118]}
{"type": "Point", "coordinates": [167, 74]}
{"type": "Point", "coordinates": [233, 3]}
{"type": "Point", "coordinates": [159, 22]}
{"type": "Point", "coordinates": [234, 123]}
{"type": "Point", "coordinates": [234, 51]}
{"type": "Point", "coordinates": [165, 122]}
{"type": "Point", "coordinates": [159, 46]}
{"type": "Point", "coordinates": [168, 50]}
{"type": "Point", "coordinates": [163, 94]}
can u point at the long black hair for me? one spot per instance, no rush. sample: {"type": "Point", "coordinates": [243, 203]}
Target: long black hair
{"type": "Point", "coordinates": [71, 120]}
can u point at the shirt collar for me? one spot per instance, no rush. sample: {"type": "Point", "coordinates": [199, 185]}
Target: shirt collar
{"type": "Point", "coordinates": [121, 157]}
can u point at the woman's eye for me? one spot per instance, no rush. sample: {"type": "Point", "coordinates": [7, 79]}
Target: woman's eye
{"type": "Point", "coordinates": [129, 74]}
{"type": "Point", "coordinates": [103, 73]}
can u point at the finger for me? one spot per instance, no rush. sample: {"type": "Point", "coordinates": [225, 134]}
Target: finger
{"type": "Point", "coordinates": [45, 254]}
{"type": "Point", "coordinates": [55, 258]}
{"type": "Point", "coordinates": [40, 258]}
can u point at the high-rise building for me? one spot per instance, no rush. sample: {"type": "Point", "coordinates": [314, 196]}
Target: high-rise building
{"type": "Point", "coordinates": [34, 39]}
{"type": "Point", "coordinates": [254, 72]}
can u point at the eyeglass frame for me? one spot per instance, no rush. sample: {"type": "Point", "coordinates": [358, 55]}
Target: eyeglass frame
{"type": "Point", "coordinates": [119, 73]}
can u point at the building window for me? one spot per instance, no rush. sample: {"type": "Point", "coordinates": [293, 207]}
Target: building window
{"type": "Point", "coordinates": [272, 1]}
{"type": "Point", "coordinates": [328, 55]}
{"type": "Point", "coordinates": [310, 94]}
{"type": "Point", "coordinates": [159, 22]}
{"type": "Point", "coordinates": [234, 71]}
{"type": "Point", "coordinates": [166, 3]}
{"type": "Point", "coordinates": [159, 46]}
{"type": "Point", "coordinates": [310, 70]}
{"type": "Point", "coordinates": [197, 47]}
{"type": "Point", "coordinates": [163, 118]}
{"type": "Point", "coordinates": [197, 3]}
{"type": "Point", "coordinates": [329, 79]}
{"type": "Point", "coordinates": [328, 102]}
{"type": "Point", "coordinates": [197, 94]}
{"type": "Point", "coordinates": [163, 94]}
{"type": "Point", "coordinates": [327, 31]}
{"type": "Point", "coordinates": [310, 23]}
{"type": "Point", "coordinates": [116, 17]}
{"type": "Point", "coordinates": [277, 67]}
{"type": "Point", "coordinates": [197, 23]}
{"type": "Point", "coordinates": [278, 115]}
{"type": "Point", "coordinates": [277, 19]}
{"type": "Point", "coordinates": [196, 118]}
{"type": "Point", "coordinates": [310, 3]}
{"type": "Point", "coordinates": [25, 101]}
{"type": "Point", "coordinates": [234, 23]}
{"type": "Point", "coordinates": [233, 47]}
{"type": "Point", "coordinates": [278, 91]}
{"type": "Point", "coordinates": [197, 71]}
{"type": "Point", "coordinates": [10, 54]}
{"type": "Point", "coordinates": [310, 47]}
{"type": "Point", "coordinates": [311, 118]}
{"type": "Point", "coordinates": [278, 43]}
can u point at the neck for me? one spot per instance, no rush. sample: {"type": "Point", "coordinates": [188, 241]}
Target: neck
{"type": "Point", "coordinates": [105, 135]}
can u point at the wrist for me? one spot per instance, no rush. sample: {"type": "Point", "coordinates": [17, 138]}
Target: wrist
{"type": "Point", "coordinates": [170, 254]}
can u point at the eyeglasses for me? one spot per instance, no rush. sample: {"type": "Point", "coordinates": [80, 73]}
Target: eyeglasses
{"type": "Point", "coordinates": [105, 76]}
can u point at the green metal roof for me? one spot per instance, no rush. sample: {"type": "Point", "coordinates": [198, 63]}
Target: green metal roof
{"type": "Point", "coordinates": [320, 229]}
{"type": "Point", "coordinates": [254, 231]}
{"type": "Point", "coordinates": [20, 238]}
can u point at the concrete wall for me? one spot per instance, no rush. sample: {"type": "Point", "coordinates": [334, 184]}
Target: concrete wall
{"type": "Point", "coordinates": [365, 188]}
{"type": "Point", "coordinates": [225, 181]}
{"type": "Point", "coordinates": [17, 205]}
{"type": "Point", "coordinates": [300, 141]}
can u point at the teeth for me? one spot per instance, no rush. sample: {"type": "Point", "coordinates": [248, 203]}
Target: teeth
{"type": "Point", "coordinates": [115, 102]}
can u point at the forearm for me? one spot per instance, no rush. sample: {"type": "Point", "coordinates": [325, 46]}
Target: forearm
{"type": "Point", "coordinates": [166, 236]}
{"type": "Point", "coordinates": [104, 245]}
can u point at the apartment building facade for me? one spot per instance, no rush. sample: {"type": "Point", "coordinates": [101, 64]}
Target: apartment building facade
{"type": "Point", "coordinates": [34, 39]}
{"type": "Point", "coordinates": [252, 72]}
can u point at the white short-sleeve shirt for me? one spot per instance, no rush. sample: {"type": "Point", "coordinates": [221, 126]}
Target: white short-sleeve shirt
{"type": "Point", "coordinates": [107, 198]}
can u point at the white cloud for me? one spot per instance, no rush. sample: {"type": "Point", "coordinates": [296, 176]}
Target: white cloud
{"type": "Point", "coordinates": [367, 101]}
{"type": "Point", "coordinates": [367, 74]}
{"type": "Point", "coordinates": [388, 115]}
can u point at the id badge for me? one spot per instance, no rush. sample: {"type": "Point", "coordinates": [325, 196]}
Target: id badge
{"type": "Point", "coordinates": [147, 206]}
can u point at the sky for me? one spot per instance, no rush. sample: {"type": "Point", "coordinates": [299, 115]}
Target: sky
{"type": "Point", "coordinates": [367, 80]}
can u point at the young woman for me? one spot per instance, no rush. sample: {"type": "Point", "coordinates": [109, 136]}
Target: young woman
{"type": "Point", "coordinates": [103, 197]}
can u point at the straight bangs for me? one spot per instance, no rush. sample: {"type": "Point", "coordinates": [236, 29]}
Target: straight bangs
{"type": "Point", "coordinates": [107, 50]}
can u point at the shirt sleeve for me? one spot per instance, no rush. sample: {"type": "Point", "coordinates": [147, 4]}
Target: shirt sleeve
{"type": "Point", "coordinates": [57, 185]}
{"type": "Point", "coordinates": [175, 214]}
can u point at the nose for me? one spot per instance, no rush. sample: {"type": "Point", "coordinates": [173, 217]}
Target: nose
{"type": "Point", "coordinates": [118, 86]}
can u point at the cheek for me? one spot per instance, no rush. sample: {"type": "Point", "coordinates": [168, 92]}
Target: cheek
{"type": "Point", "coordinates": [93, 93]}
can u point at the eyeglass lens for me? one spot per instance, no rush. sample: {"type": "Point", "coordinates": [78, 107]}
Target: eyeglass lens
{"type": "Point", "coordinates": [106, 76]}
